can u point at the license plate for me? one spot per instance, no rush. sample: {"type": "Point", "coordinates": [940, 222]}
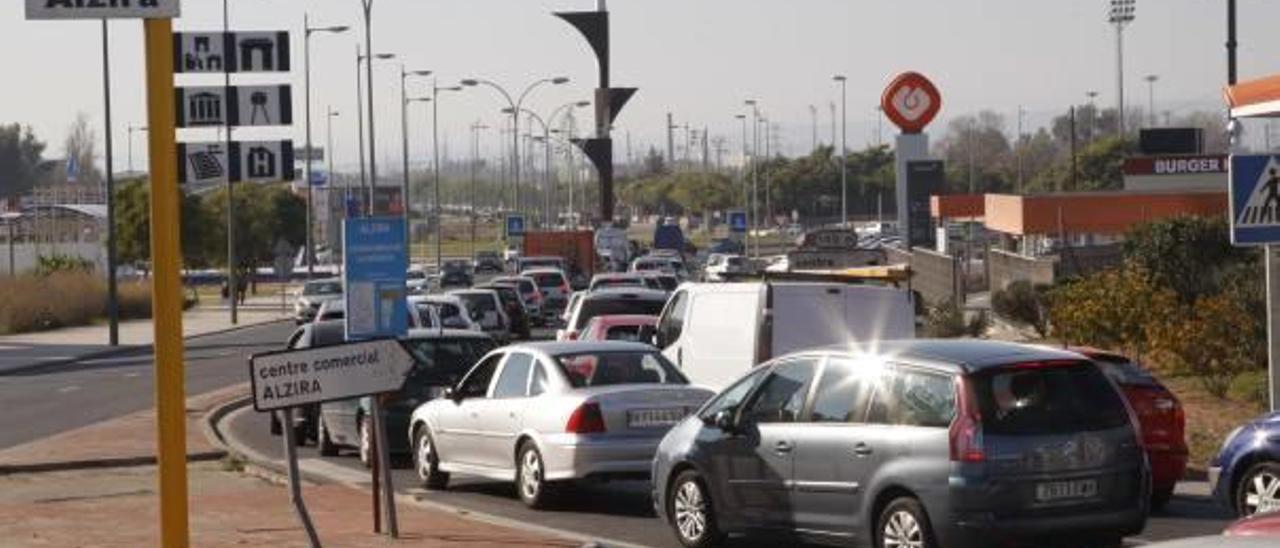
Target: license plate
{"type": "Point", "coordinates": [654, 418]}
{"type": "Point", "coordinates": [1066, 490]}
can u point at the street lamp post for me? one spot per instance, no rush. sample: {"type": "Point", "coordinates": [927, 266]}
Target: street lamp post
{"type": "Point", "coordinates": [743, 171]}
{"type": "Point", "coordinates": [1093, 113]}
{"type": "Point", "coordinates": [754, 214]}
{"type": "Point", "coordinates": [1151, 97]}
{"type": "Point", "coordinates": [367, 181]}
{"type": "Point", "coordinates": [515, 123]}
{"type": "Point", "coordinates": [546, 124]}
{"type": "Point", "coordinates": [844, 147]}
{"type": "Point", "coordinates": [1121, 14]}
{"type": "Point", "coordinates": [132, 129]}
{"type": "Point", "coordinates": [404, 141]}
{"type": "Point", "coordinates": [307, 31]}
{"type": "Point", "coordinates": [435, 151]}
{"type": "Point", "coordinates": [475, 153]}
{"type": "Point", "coordinates": [330, 114]}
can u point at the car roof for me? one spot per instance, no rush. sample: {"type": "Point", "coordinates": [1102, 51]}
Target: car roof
{"type": "Point", "coordinates": [473, 292]}
{"type": "Point", "coordinates": [543, 271]}
{"type": "Point", "coordinates": [325, 281]}
{"type": "Point", "coordinates": [624, 293]}
{"type": "Point", "coordinates": [971, 355]}
{"type": "Point", "coordinates": [436, 333]}
{"type": "Point", "coordinates": [617, 276]}
{"type": "Point", "coordinates": [541, 258]}
{"type": "Point", "coordinates": [626, 319]}
{"type": "Point", "coordinates": [581, 347]}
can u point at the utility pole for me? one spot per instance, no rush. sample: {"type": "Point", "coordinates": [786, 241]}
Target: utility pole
{"type": "Point", "coordinates": [1121, 14]}
{"type": "Point", "coordinates": [1021, 144]}
{"type": "Point", "coordinates": [844, 150]}
{"type": "Point", "coordinates": [813, 115]}
{"type": "Point", "coordinates": [671, 142]}
{"type": "Point", "coordinates": [113, 307]}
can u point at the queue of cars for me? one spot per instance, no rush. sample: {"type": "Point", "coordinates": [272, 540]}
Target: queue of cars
{"type": "Point", "coordinates": [846, 431]}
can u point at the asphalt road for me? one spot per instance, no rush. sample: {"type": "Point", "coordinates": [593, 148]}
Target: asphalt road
{"type": "Point", "coordinates": [49, 400]}
{"type": "Point", "coordinates": [617, 511]}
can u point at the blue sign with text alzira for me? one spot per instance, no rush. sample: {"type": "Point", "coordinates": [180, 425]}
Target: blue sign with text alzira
{"type": "Point", "coordinates": [375, 261]}
{"type": "Point", "coordinates": [1255, 199]}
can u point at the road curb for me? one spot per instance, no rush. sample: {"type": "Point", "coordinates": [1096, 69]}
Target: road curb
{"type": "Point", "coordinates": [125, 349]}
{"type": "Point", "coordinates": [91, 464]}
{"type": "Point", "coordinates": [275, 470]}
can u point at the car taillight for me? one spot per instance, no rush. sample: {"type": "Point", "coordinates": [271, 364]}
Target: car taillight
{"type": "Point", "coordinates": [965, 434]}
{"type": "Point", "coordinates": [586, 419]}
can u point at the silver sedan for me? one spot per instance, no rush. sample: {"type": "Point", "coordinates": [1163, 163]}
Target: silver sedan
{"type": "Point", "coordinates": [544, 413]}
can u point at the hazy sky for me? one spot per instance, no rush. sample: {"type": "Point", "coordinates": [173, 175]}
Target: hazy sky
{"type": "Point", "coordinates": [696, 58]}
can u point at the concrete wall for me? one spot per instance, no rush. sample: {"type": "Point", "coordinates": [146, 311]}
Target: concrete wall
{"type": "Point", "coordinates": [936, 276]}
{"type": "Point", "coordinates": [1007, 268]}
{"type": "Point", "coordinates": [26, 255]}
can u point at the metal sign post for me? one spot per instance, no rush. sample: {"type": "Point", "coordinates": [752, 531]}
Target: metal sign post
{"type": "Point", "coordinates": [295, 484]}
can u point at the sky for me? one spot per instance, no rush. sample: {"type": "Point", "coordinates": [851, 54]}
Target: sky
{"type": "Point", "coordinates": [698, 59]}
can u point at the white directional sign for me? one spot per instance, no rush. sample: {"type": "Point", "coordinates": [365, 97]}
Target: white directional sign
{"type": "Point", "coordinates": [103, 9]}
{"type": "Point", "coordinates": [249, 106]}
{"type": "Point", "coordinates": [300, 377]}
{"type": "Point", "coordinates": [217, 52]}
{"type": "Point", "coordinates": [250, 161]}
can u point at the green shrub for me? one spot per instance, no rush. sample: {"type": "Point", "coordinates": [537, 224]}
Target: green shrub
{"type": "Point", "coordinates": [1250, 387]}
{"type": "Point", "coordinates": [945, 321]}
{"type": "Point", "coordinates": [51, 264]}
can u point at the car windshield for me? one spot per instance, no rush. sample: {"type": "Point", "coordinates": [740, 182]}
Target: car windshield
{"type": "Point", "coordinates": [455, 266]}
{"type": "Point", "coordinates": [667, 283]}
{"type": "Point", "coordinates": [424, 315]}
{"type": "Point", "coordinates": [322, 288]}
{"type": "Point", "coordinates": [1039, 399]}
{"type": "Point", "coordinates": [443, 362]}
{"type": "Point", "coordinates": [617, 307]}
{"type": "Point", "coordinates": [618, 282]}
{"type": "Point", "coordinates": [547, 279]}
{"type": "Point", "coordinates": [479, 302]}
{"type": "Point", "coordinates": [529, 264]}
{"type": "Point", "coordinates": [618, 367]}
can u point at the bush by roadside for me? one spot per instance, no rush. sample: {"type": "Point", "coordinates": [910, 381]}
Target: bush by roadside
{"type": "Point", "coordinates": [65, 298]}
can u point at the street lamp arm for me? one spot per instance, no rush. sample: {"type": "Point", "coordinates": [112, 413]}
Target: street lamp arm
{"type": "Point", "coordinates": [524, 95]}
{"type": "Point", "coordinates": [504, 93]}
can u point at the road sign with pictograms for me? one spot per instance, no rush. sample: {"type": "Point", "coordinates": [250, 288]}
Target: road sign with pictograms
{"type": "Point", "coordinates": [1255, 199]}
{"type": "Point", "coordinates": [248, 161]}
{"type": "Point", "coordinates": [219, 52]}
{"type": "Point", "coordinates": [911, 102]}
{"type": "Point", "coordinates": [248, 106]}
{"type": "Point", "coordinates": [103, 9]}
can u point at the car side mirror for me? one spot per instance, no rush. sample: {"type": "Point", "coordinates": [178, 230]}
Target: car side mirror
{"type": "Point", "coordinates": [648, 334]}
{"type": "Point", "coordinates": [725, 421]}
{"type": "Point", "coordinates": [452, 394]}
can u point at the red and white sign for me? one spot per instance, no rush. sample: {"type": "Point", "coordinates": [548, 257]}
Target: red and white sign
{"type": "Point", "coordinates": [911, 102]}
{"type": "Point", "coordinates": [1175, 165]}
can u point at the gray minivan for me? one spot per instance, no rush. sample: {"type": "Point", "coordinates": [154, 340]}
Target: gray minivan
{"type": "Point", "coordinates": [918, 444]}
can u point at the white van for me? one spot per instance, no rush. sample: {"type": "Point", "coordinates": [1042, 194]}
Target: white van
{"type": "Point", "coordinates": [715, 332]}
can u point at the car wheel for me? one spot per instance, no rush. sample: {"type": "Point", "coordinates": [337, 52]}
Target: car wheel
{"type": "Point", "coordinates": [276, 428]}
{"type": "Point", "coordinates": [365, 434]}
{"type": "Point", "coordinates": [1259, 490]}
{"type": "Point", "coordinates": [689, 511]}
{"type": "Point", "coordinates": [426, 462]}
{"type": "Point", "coordinates": [904, 524]}
{"type": "Point", "coordinates": [324, 444]}
{"type": "Point", "coordinates": [1161, 496]}
{"type": "Point", "coordinates": [531, 482]}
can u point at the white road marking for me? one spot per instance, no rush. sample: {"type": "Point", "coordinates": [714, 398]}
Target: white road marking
{"type": "Point", "coordinates": [68, 389]}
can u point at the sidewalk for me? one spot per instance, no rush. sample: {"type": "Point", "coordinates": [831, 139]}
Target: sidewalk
{"type": "Point", "coordinates": [77, 343]}
{"type": "Point", "coordinates": [80, 503]}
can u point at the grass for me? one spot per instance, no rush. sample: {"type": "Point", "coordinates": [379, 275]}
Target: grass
{"type": "Point", "coordinates": [1209, 419]}
{"type": "Point", "coordinates": [65, 299]}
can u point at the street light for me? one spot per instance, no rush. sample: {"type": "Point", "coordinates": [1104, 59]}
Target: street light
{"type": "Point", "coordinates": [515, 121]}
{"type": "Point", "coordinates": [404, 142]}
{"type": "Point", "coordinates": [475, 152]}
{"type": "Point", "coordinates": [1151, 97]}
{"type": "Point", "coordinates": [435, 151]}
{"type": "Point", "coordinates": [844, 146]}
{"type": "Point", "coordinates": [546, 139]}
{"type": "Point", "coordinates": [754, 215]}
{"type": "Point", "coordinates": [365, 187]}
{"type": "Point", "coordinates": [308, 30]}
{"type": "Point", "coordinates": [132, 129]}
{"type": "Point", "coordinates": [743, 171]}
{"type": "Point", "coordinates": [1120, 15]}
{"type": "Point", "coordinates": [330, 114]}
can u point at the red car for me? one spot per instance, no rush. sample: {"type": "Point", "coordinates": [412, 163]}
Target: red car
{"type": "Point", "coordinates": [1257, 525]}
{"type": "Point", "coordinates": [1159, 414]}
{"type": "Point", "coordinates": [616, 328]}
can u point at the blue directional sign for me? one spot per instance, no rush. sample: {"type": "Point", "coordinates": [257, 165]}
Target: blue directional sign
{"type": "Point", "coordinates": [374, 266]}
{"type": "Point", "coordinates": [515, 226]}
{"type": "Point", "coordinates": [737, 221]}
{"type": "Point", "coordinates": [1255, 200]}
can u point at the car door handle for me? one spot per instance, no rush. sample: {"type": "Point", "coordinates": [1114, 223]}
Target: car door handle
{"type": "Point", "coordinates": [862, 450]}
{"type": "Point", "coordinates": [783, 447]}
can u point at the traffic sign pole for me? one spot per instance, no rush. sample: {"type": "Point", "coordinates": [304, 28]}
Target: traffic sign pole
{"type": "Point", "coordinates": [166, 286]}
{"type": "Point", "coordinates": [295, 481]}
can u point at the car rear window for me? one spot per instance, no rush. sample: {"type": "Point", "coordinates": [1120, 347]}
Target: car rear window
{"type": "Point", "coordinates": [322, 288]}
{"type": "Point", "coordinates": [1123, 371]}
{"type": "Point", "coordinates": [630, 333]}
{"type": "Point", "coordinates": [1038, 399]}
{"type": "Point", "coordinates": [617, 307]}
{"type": "Point", "coordinates": [618, 282]}
{"type": "Point", "coordinates": [480, 303]}
{"type": "Point", "coordinates": [618, 367]}
{"type": "Point", "coordinates": [548, 279]}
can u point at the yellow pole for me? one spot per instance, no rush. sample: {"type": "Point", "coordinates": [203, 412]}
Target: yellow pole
{"type": "Point", "coordinates": [166, 288]}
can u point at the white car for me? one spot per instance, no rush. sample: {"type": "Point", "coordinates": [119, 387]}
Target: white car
{"type": "Point", "coordinates": [485, 307]}
{"type": "Point", "coordinates": [545, 413]}
{"type": "Point", "coordinates": [444, 311]}
{"type": "Point", "coordinates": [721, 265]}
{"type": "Point", "coordinates": [555, 289]}
{"type": "Point", "coordinates": [313, 295]}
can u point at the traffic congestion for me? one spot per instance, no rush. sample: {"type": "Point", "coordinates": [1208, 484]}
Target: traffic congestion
{"type": "Point", "coordinates": [757, 404]}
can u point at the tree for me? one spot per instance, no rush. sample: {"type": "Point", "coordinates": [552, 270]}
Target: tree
{"type": "Point", "coordinates": [264, 214]}
{"type": "Point", "coordinates": [21, 161]}
{"type": "Point", "coordinates": [1204, 341]}
{"type": "Point", "coordinates": [1112, 309]}
{"type": "Point", "coordinates": [1024, 304]}
{"type": "Point", "coordinates": [81, 145]}
{"type": "Point", "coordinates": [133, 226]}
{"type": "Point", "coordinates": [1186, 254]}
{"type": "Point", "coordinates": [977, 145]}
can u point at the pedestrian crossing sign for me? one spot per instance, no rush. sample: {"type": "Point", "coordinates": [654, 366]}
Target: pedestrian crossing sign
{"type": "Point", "coordinates": [1255, 199]}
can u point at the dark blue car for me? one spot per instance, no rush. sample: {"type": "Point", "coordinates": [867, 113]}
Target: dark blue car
{"type": "Point", "coordinates": [1246, 473]}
